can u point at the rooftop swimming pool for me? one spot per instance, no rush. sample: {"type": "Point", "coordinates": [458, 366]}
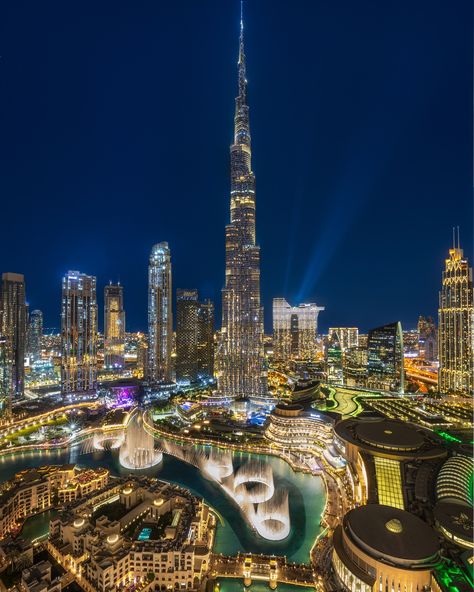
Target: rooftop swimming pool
{"type": "Point", "coordinates": [145, 534]}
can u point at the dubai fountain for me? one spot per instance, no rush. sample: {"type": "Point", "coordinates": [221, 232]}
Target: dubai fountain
{"type": "Point", "coordinates": [138, 448]}
{"type": "Point", "coordinates": [251, 487]}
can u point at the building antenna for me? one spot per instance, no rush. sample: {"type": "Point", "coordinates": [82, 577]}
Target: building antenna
{"type": "Point", "coordinates": [454, 237]}
{"type": "Point", "coordinates": [459, 240]}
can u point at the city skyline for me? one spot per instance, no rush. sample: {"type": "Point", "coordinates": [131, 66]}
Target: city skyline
{"type": "Point", "coordinates": [333, 215]}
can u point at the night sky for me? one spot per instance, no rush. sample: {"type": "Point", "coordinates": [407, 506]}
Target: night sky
{"type": "Point", "coordinates": [116, 120]}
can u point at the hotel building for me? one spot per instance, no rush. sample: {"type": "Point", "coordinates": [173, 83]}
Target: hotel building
{"type": "Point", "coordinates": [136, 531]}
{"type": "Point", "coordinates": [294, 330]}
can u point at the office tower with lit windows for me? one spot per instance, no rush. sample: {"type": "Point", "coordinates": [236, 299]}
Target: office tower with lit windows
{"type": "Point", "coordinates": [187, 306]}
{"type": "Point", "coordinates": [456, 325]}
{"type": "Point", "coordinates": [205, 346]}
{"type": "Point", "coordinates": [427, 339]}
{"type": "Point", "coordinates": [160, 315]}
{"type": "Point", "coordinates": [13, 328]}
{"type": "Point", "coordinates": [385, 369]}
{"type": "Point", "coordinates": [294, 330]}
{"type": "Point", "coordinates": [78, 333]}
{"type": "Point", "coordinates": [35, 334]}
{"type": "Point", "coordinates": [114, 327]}
{"type": "Point", "coordinates": [347, 336]}
{"type": "Point", "coordinates": [354, 366]}
{"type": "Point", "coordinates": [194, 337]}
{"type": "Point", "coordinates": [334, 360]}
{"type": "Point", "coordinates": [242, 372]}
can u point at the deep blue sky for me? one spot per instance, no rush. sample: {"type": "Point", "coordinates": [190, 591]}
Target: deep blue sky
{"type": "Point", "coordinates": [116, 120]}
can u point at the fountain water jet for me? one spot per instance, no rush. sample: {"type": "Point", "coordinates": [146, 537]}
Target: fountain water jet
{"type": "Point", "coordinates": [138, 449]}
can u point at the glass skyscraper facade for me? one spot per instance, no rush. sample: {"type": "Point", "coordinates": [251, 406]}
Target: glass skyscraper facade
{"type": "Point", "coordinates": [35, 333]}
{"type": "Point", "coordinates": [385, 369]}
{"type": "Point", "coordinates": [160, 315]}
{"type": "Point", "coordinates": [456, 326]}
{"type": "Point", "coordinates": [13, 329]}
{"type": "Point", "coordinates": [114, 327]}
{"type": "Point", "coordinates": [78, 333]}
{"type": "Point", "coordinates": [242, 372]}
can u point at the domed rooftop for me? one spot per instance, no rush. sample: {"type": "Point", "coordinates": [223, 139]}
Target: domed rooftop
{"type": "Point", "coordinates": [396, 535]}
{"type": "Point", "coordinates": [389, 434]}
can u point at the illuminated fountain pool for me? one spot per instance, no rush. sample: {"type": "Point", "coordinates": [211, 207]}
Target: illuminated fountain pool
{"type": "Point", "coordinates": [306, 496]}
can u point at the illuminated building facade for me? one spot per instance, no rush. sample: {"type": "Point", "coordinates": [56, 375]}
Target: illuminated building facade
{"type": "Point", "coordinates": [114, 327]}
{"type": "Point", "coordinates": [294, 330]}
{"type": "Point", "coordinates": [385, 457]}
{"type": "Point", "coordinates": [78, 333]}
{"type": "Point", "coordinates": [13, 329]}
{"type": "Point", "coordinates": [35, 334]}
{"type": "Point", "coordinates": [354, 366]}
{"type": "Point", "coordinates": [427, 339]}
{"type": "Point", "coordinates": [334, 360]}
{"type": "Point", "coordinates": [105, 554]}
{"type": "Point", "coordinates": [385, 369]}
{"type": "Point", "coordinates": [205, 346]}
{"type": "Point", "coordinates": [456, 326]}
{"type": "Point", "coordinates": [194, 337]}
{"type": "Point", "coordinates": [160, 315]}
{"type": "Point", "coordinates": [347, 336]}
{"type": "Point", "coordinates": [378, 548]}
{"type": "Point", "coordinates": [242, 373]}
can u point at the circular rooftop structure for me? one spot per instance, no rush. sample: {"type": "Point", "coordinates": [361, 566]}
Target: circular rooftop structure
{"type": "Point", "coordinates": [392, 534]}
{"type": "Point", "coordinates": [389, 434]}
{"type": "Point", "coordinates": [288, 410]}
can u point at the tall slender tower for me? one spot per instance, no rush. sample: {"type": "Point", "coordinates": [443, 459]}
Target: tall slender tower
{"type": "Point", "coordinates": [35, 333]}
{"type": "Point", "coordinates": [160, 315]}
{"type": "Point", "coordinates": [242, 373]}
{"type": "Point", "coordinates": [13, 328]}
{"type": "Point", "coordinates": [114, 327]}
{"type": "Point", "coordinates": [78, 333]}
{"type": "Point", "coordinates": [456, 325]}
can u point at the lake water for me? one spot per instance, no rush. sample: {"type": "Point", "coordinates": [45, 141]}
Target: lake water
{"type": "Point", "coordinates": [306, 498]}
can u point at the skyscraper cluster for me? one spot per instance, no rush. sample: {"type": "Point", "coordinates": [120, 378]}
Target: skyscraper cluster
{"type": "Point", "coordinates": [242, 371]}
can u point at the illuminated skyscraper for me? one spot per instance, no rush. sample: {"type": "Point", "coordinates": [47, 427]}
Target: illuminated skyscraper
{"type": "Point", "coordinates": [194, 336]}
{"type": "Point", "coordinates": [241, 372]}
{"type": "Point", "coordinates": [347, 336]}
{"type": "Point", "coordinates": [13, 329]}
{"type": "Point", "coordinates": [294, 330]}
{"type": "Point", "coordinates": [35, 333]}
{"type": "Point", "coordinates": [187, 306]}
{"type": "Point", "coordinates": [205, 348]}
{"type": "Point", "coordinates": [456, 325]}
{"type": "Point", "coordinates": [114, 327]}
{"type": "Point", "coordinates": [78, 333]}
{"type": "Point", "coordinates": [385, 369]}
{"type": "Point", "coordinates": [160, 315]}
{"type": "Point", "coordinates": [427, 338]}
